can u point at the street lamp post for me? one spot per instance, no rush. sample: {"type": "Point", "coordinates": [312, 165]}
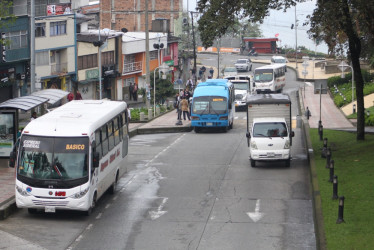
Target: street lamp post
{"type": "Point", "coordinates": [343, 65]}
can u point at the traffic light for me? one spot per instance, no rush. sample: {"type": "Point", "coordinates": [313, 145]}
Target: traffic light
{"type": "Point", "coordinates": [3, 48]}
{"type": "Point", "coordinates": [97, 43]}
{"type": "Point", "coordinates": [185, 21]}
{"type": "Point", "coordinates": [27, 68]}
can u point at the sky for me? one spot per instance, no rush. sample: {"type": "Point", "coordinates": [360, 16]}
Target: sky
{"type": "Point", "coordinates": [279, 22]}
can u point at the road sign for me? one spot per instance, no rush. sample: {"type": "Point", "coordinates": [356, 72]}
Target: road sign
{"type": "Point", "coordinates": [305, 72]}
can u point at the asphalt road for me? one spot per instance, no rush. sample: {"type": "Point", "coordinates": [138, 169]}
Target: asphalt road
{"type": "Point", "coordinates": [189, 191]}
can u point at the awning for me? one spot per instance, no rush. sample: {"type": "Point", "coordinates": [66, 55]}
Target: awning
{"type": "Point", "coordinates": [25, 102]}
{"type": "Point", "coordinates": [35, 99]}
{"type": "Point", "coordinates": [54, 95]}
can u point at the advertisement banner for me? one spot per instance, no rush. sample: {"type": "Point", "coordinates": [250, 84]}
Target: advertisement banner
{"type": "Point", "coordinates": [59, 9]}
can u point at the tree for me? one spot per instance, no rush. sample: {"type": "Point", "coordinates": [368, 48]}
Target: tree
{"type": "Point", "coordinates": [348, 25]}
{"type": "Point", "coordinates": [164, 88]}
{"type": "Point", "coordinates": [331, 20]}
{"type": "Point", "coordinates": [6, 17]}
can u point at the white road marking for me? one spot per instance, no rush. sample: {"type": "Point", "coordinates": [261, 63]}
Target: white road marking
{"type": "Point", "coordinates": [158, 213]}
{"type": "Point", "coordinates": [256, 216]}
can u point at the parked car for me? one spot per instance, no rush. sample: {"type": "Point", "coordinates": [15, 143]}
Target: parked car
{"type": "Point", "coordinates": [243, 65]}
{"type": "Point", "coordinates": [229, 71]}
{"type": "Point", "coordinates": [280, 60]}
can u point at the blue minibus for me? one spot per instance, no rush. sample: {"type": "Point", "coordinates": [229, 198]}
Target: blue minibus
{"type": "Point", "coordinates": [213, 105]}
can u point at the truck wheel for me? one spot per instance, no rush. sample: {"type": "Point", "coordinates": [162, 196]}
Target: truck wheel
{"type": "Point", "coordinates": [288, 163]}
{"type": "Point", "coordinates": [253, 163]}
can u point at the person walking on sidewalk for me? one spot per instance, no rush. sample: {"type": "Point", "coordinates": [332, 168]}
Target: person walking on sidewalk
{"type": "Point", "coordinates": [185, 108]}
{"type": "Point", "coordinates": [135, 92]}
{"type": "Point", "coordinates": [131, 89]}
{"type": "Point", "coordinates": [307, 113]}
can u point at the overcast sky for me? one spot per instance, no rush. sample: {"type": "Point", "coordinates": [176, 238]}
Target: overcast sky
{"type": "Point", "coordinates": [280, 22]}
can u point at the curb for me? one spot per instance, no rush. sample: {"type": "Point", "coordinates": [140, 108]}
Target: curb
{"type": "Point", "coordinates": [316, 196]}
{"type": "Point", "coordinates": [8, 208]}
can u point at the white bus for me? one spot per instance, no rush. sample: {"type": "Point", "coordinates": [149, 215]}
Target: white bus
{"type": "Point", "coordinates": [68, 158]}
{"type": "Point", "coordinates": [269, 79]}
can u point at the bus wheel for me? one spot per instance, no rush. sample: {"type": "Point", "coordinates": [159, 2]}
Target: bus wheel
{"type": "Point", "coordinates": [197, 129]}
{"type": "Point", "coordinates": [93, 204]}
{"type": "Point", "coordinates": [32, 210]}
{"type": "Point", "coordinates": [225, 129]}
{"type": "Point", "coordinates": [253, 163]}
{"type": "Point", "coordinates": [112, 189]}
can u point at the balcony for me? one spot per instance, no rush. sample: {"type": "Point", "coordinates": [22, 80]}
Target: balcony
{"type": "Point", "coordinates": [130, 68]}
{"type": "Point", "coordinates": [59, 69]}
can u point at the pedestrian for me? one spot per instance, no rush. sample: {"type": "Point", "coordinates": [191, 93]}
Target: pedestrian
{"type": "Point", "coordinates": [180, 108]}
{"type": "Point", "coordinates": [131, 90]}
{"type": "Point", "coordinates": [135, 92]}
{"type": "Point", "coordinates": [70, 96]}
{"type": "Point", "coordinates": [307, 113]}
{"type": "Point", "coordinates": [211, 71]}
{"type": "Point", "coordinates": [33, 116]}
{"type": "Point", "coordinates": [78, 96]}
{"type": "Point", "coordinates": [200, 73]}
{"type": "Point", "coordinates": [185, 108]}
{"type": "Point", "coordinates": [189, 83]}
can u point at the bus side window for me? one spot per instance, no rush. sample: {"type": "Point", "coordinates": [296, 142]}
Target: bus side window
{"type": "Point", "coordinates": [104, 137]}
{"type": "Point", "coordinates": [124, 125]}
{"type": "Point", "coordinates": [110, 135]}
{"type": "Point", "coordinates": [117, 138]}
{"type": "Point", "coordinates": [98, 143]}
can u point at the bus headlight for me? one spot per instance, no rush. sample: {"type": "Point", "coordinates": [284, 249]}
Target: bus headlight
{"type": "Point", "coordinates": [287, 144]}
{"type": "Point", "coordinates": [223, 117]}
{"type": "Point", "coordinates": [22, 191]}
{"type": "Point", "coordinates": [79, 194]}
{"type": "Point", "coordinates": [195, 118]}
{"type": "Point", "coordinates": [253, 145]}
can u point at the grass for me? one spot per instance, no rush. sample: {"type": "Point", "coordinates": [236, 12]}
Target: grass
{"type": "Point", "coordinates": [355, 170]}
{"type": "Point", "coordinates": [135, 112]}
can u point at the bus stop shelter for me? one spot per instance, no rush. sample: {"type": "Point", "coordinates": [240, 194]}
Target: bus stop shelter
{"type": "Point", "coordinates": [9, 114]}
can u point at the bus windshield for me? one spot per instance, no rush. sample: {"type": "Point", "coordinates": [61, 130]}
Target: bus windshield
{"type": "Point", "coordinates": [263, 75]}
{"type": "Point", "coordinates": [240, 85]}
{"type": "Point", "coordinates": [46, 158]}
{"type": "Point", "coordinates": [209, 105]}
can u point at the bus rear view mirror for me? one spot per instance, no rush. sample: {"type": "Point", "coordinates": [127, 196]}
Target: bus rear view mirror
{"type": "Point", "coordinates": [12, 159]}
{"type": "Point", "coordinates": [96, 158]}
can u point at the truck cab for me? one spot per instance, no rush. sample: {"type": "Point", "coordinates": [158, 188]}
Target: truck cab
{"type": "Point", "coordinates": [269, 140]}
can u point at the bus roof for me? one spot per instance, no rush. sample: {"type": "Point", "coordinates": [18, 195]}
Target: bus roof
{"type": "Point", "coordinates": [271, 66]}
{"type": "Point", "coordinates": [213, 87]}
{"type": "Point", "coordinates": [75, 118]}
{"type": "Point", "coordinates": [269, 99]}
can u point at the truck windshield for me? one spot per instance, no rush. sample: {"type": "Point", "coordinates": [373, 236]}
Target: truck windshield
{"type": "Point", "coordinates": [263, 75]}
{"type": "Point", "coordinates": [270, 129]}
{"type": "Point", "coordinates": [209, 105]}
{"type": "Point", "coordinates": [46, 158]}
{"type": "Point", "coordinates": [241, 85]}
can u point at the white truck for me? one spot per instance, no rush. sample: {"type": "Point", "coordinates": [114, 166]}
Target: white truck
{"type": "Point", "coordinates": [269, 129]}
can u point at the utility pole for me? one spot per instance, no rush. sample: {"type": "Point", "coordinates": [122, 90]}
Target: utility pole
{"type": "Point", "coordinates": [147, 76]}
{"type": "Point", "coordinates": [296, 35]}
{"type": "Point", "coordinates": [194, 47]}
{"type": "Point", "coordinates": [32, 47]}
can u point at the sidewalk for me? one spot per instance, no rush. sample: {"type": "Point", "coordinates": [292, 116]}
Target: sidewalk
{"type": "Point", "coordinates": [165, 123]}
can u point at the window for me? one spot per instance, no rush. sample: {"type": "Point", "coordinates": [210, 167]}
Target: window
{"type": "Point", "coordinates": [58, 28]}
{"type": "Point", "coordinates": [98, 143]}
{"type": "Point", "coordinates": [17, 39]}
{"type": "Point", "coordinates": [39, 29]}
{"type": "Point", "coordinates": [104, 139]}
{"type": "Point", "coordinates": [117, 138]}
{"type": "Point", "coordinates": [153, 55]}
{"type": "Point", "coordinates": [110, 135]}
{"type": "Point", "coordinates": [107, 58]}
{"type": "Point", "coordinates": [42, 58]}
{"type": "Point", "coordinates": [87, 61]}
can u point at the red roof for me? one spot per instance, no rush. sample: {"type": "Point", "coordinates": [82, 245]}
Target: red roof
{"type": "Point", "coordinates": [254, 39]}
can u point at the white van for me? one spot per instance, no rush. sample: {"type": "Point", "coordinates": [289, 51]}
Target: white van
{"type": "Point", "coordinates": [280, 60]}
